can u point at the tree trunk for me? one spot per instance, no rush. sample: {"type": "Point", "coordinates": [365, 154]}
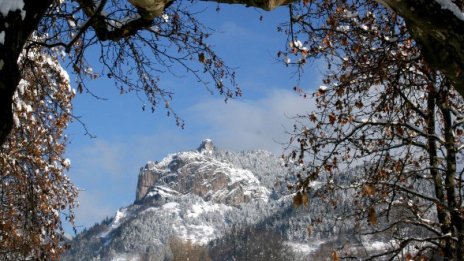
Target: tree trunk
{"type": "Point", "coordinates": [442, 213]}
{"type": "Point", "coordinates": [450, 175]}
{"type": "Point", "coordinates": [16, 28]}
{"type": "Point", "coordinates": [439, 33]}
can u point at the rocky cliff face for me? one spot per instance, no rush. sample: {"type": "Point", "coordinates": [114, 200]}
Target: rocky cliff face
{"type": "Point", "coordinates": [152, 172]}
{"type": "Point", "coordinates": [145, 181]}
{"type": "Point", "coordinates": [199, 173]}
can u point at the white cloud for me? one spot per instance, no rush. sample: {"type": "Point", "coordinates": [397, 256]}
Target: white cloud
{"type": "Point", "coordinates": [257, 124]}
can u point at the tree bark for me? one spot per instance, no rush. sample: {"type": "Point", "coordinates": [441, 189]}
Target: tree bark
{"type": "Point", "coordinates": [16, 27]}
{"type": "Point", "coordinates": [442, 213]}
{"type": "Point", "coordinates": [450, 175]}
{"type": "Point", "coordinates": [439, 33]}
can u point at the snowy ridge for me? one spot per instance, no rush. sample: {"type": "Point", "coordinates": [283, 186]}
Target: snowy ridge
{"type": "Point", "coordinates": [162, 191]}
{"type": "Point", "coordinates": [213, 180]}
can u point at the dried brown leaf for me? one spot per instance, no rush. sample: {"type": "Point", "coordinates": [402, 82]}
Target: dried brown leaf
{"type": "Point", "coordinates": [368, 190]}
{"type": "Point", "coordinates": [297, 199]}
{"type": "Point", "coordinates": [372, 216]}
{"type": "Point", "coordinates": [305, 199]}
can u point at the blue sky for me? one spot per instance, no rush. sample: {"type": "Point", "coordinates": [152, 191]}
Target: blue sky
{"type": "Point", "coordinates": [105, 168]}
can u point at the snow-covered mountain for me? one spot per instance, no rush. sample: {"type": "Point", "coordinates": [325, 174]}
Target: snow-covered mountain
{"type": "Point", "coordinates": [199, 173]}
{"type": "Point", "coordinates": [207, 204]}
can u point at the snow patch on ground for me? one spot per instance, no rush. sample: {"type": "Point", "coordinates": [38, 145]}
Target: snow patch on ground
{"type": "Point", "coordinates": [237, 175]}
{"type": "Point", "coordinates": [118, 219]}
{"type": "Point", "coordinates": [206, 207]}
{"type": "Point", "coordinates": [304, 248]}
{"type": "Point", "coordinates": [150, 209]}
{"type": "Point", "coordinates": [171, 207]}
{"type": "Point", "coordinates": [197, 234]}
{"type": "Point", "coordinates": [120, 215]}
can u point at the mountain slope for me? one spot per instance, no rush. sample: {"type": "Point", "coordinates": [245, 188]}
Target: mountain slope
{"type": "Point", "coordinates": [205, 200]}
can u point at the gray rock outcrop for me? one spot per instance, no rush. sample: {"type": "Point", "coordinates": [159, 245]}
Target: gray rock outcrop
{"type": "Point", "coordinates": [199, 173]}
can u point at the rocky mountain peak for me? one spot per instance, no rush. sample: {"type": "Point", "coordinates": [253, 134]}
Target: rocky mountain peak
{"type": "Point", "coordinates": [206, 146]}
{"type": "Point", "coordinates": [199, 172]}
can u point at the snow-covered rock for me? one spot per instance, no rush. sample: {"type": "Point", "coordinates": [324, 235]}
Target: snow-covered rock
{"type": "Point", "coordinates": [198, 172]}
